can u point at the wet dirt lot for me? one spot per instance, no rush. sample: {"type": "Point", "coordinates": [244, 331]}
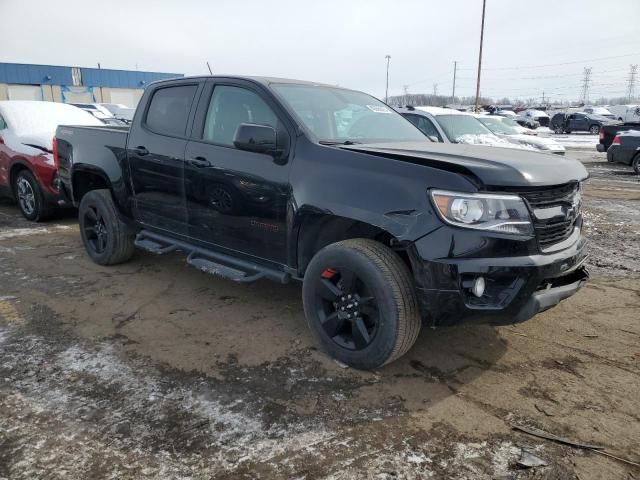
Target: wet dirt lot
{"type": "Point", "coordinates": [153, 369]}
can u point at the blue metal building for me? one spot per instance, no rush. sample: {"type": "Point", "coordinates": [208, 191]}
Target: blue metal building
{"type": "Point", "coordinates": [74, 84]}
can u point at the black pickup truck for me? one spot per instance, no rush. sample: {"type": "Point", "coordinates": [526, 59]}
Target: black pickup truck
{"type": "Point", "coordinates": [256, 178]}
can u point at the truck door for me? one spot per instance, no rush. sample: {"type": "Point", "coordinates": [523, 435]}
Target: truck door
{"type": "Point", "coordinates": [236, 199]}
{"type": "Point", "coordinates": [155, 149]}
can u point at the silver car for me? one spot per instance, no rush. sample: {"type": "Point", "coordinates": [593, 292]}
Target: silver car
{"type": "Point", "coordinates": [511, 131]}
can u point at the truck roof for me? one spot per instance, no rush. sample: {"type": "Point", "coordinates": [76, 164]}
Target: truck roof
{"type": "Point", "coordinates": [258, 79]}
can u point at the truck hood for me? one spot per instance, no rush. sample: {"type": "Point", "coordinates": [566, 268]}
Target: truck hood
{"type": "Point", "coordinates": [488, 166]}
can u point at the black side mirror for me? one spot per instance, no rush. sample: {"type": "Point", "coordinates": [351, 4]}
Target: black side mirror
{"type": "Point", "coordinates": [255, 138]}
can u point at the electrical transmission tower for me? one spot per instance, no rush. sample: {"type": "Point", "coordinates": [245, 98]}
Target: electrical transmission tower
{"type": "Point", "coordinates": [631, 89]}
{"type": "Point", "coordinates": [435, 89]}
{"type": "Point", "coordinates": [586, 82]}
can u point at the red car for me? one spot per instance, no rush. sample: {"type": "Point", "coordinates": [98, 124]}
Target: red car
{"type": "Point", "coordinates": [28, 169]}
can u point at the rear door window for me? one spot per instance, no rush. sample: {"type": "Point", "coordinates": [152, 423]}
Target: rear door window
{"type": "Point", "coordinates": [169, 109]}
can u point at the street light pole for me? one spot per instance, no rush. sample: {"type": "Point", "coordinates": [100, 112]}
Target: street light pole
{"type": "Point", "coordinates": [484, 5]}
{"type": "Point", "coordinates": [453, 95]}
{"type": "Point", "coordinates": [386, 92]}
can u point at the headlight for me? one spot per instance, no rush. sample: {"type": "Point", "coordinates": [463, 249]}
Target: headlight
{"type": "Point", "coordinates": [499, 213]}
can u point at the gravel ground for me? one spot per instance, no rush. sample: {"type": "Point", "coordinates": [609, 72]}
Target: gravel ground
{"type": "Point", "coordinates": [155, 370]}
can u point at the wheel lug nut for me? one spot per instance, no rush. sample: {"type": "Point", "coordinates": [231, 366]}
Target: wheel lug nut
{"type": "Point", "coordinates": [348, 316]}
{"type": "Point", "coordinates": [349, 296]}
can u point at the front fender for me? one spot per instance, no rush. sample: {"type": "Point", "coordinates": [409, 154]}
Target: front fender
{"type": "Point", "coordinates": [386, 193]}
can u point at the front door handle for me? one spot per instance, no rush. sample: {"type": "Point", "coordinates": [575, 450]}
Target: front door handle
{"type": "Point", "coordinates": [141, 151]}
{"type": "Point", "coordinates": [199, 162]}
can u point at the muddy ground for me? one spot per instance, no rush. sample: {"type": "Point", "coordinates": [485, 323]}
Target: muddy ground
{"type": "Point", "coordinates": [153, 369]}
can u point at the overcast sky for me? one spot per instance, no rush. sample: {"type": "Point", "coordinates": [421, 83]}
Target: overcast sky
{"type": "Point", "coordinates": [342, 42]}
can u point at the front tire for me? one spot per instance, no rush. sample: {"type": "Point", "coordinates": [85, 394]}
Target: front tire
{"type": "Point", "coordinates": [31, 200]}
{"type": "Point", "coordinates": [360, 303]}
{"type": "Point", "coordinates": [105, 237]}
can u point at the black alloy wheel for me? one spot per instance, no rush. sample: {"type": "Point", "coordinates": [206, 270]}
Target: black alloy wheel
{"type": "Point", "coordinates": [348, 311]}
{"type": "Point", "coordinates": [95, 230]}
{"type": "Point", "coordinates": [360, 303]}
{"type": "Point", "coordinates": [107, 239]}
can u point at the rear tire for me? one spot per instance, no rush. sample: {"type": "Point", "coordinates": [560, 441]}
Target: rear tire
{"type": "Point", "coordinates": [105, 237]}
{"type": "Point", "coordinates": [635, 164]}
{"type": "Point", "coordinates": [369, 282]}
{"type": "Point", "coordinates": [31, 201]}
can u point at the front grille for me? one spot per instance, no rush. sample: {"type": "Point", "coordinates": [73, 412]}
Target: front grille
{"type": "Point", "coordinates": [558, 227]}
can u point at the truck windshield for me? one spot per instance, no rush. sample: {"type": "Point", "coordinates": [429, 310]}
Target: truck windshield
{"type": "Point", "coordinates": [337, 115]}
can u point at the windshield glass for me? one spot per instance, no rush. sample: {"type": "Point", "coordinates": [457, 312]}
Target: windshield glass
{"type": "Point", "coordinates": [500, 125]}
{"type": "Point", "coordinates": [339, 115]}
{"type": "Point", "coordinates": [456, 126]}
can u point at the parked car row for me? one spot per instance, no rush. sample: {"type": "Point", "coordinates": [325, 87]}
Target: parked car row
{"type": "Point", "coordinates": [451, 126]}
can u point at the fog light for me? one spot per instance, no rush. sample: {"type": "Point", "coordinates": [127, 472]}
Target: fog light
{"type": "Point", "coordinates": [478, 287]}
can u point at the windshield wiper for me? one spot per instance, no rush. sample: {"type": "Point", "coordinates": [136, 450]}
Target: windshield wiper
{"type": "Point", "coordinates": [338, 142]}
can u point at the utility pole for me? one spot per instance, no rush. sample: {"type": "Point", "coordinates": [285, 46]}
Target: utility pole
{"type": "Point", "coordinates": [484, 5]}
{"type": "Point", "coordinates": [453, 94]}
{"type": "Point", "coordinates": [435, 89]}
{"type": "Point", "coordinates": [405, 91]}
{"type": "Point", "coordinates": [386, 91]}
{"type": "Point", "coordinates": [586, 80]}
{"type": "Point", "coordinates": [631, 92]}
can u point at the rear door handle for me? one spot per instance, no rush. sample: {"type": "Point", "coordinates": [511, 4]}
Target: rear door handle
{"type": "Point", "coordinates": [140, 150]}
{"type": "Point", "coordinates": [199, 162]}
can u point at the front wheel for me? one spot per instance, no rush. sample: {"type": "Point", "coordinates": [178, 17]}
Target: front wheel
{"type": "Point", "coordinates": [105, 237]}
{"type": "Point", "coordinates": [31, 201]}
{"type": "Point", "coordinates": [360, 303]}
{"type": "Point", "coordinates": [594, 129]}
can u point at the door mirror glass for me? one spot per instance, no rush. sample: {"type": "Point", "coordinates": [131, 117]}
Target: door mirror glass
{"type": "Point", "coordinates": [255, 138]}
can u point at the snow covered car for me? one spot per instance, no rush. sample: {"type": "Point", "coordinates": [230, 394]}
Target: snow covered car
{"type": "Point", "coordinates": [28, 172]}
{"type": "Point", "coordinates": [626, 113]}
{"type": "Point", "coordinates": [120, 111]}
{"type": "Point", "coordinates": [600, 111]}
{"type": "Point", "coordinates": [451, 126]}
{"type": "Point", "coordinates": [511, 131]}
{"type": "Point", "coordinates": [537, 116]}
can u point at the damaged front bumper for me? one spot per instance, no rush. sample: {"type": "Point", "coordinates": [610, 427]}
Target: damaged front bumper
{"type": "Point", "coordinates": [516, 288]}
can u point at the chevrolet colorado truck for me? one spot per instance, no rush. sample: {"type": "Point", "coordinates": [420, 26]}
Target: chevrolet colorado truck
{"type": "Point", "coordinates": [264, 178]}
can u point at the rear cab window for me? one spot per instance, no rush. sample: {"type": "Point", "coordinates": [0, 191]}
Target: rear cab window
{"type": "Point", "coordinates": [169, 109]}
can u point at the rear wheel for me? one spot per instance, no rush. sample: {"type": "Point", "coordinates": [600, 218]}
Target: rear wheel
{"type": "Point", "coordinates": [635, 163]}
{"type": "Point", "coordinates": [594, 129]}
{"type": "Point", "coordinates": [30, 198]}
{"type": "Point", "coordinates": [360, 303]}
{"type": "Point", "coordinates": [105, 236]}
